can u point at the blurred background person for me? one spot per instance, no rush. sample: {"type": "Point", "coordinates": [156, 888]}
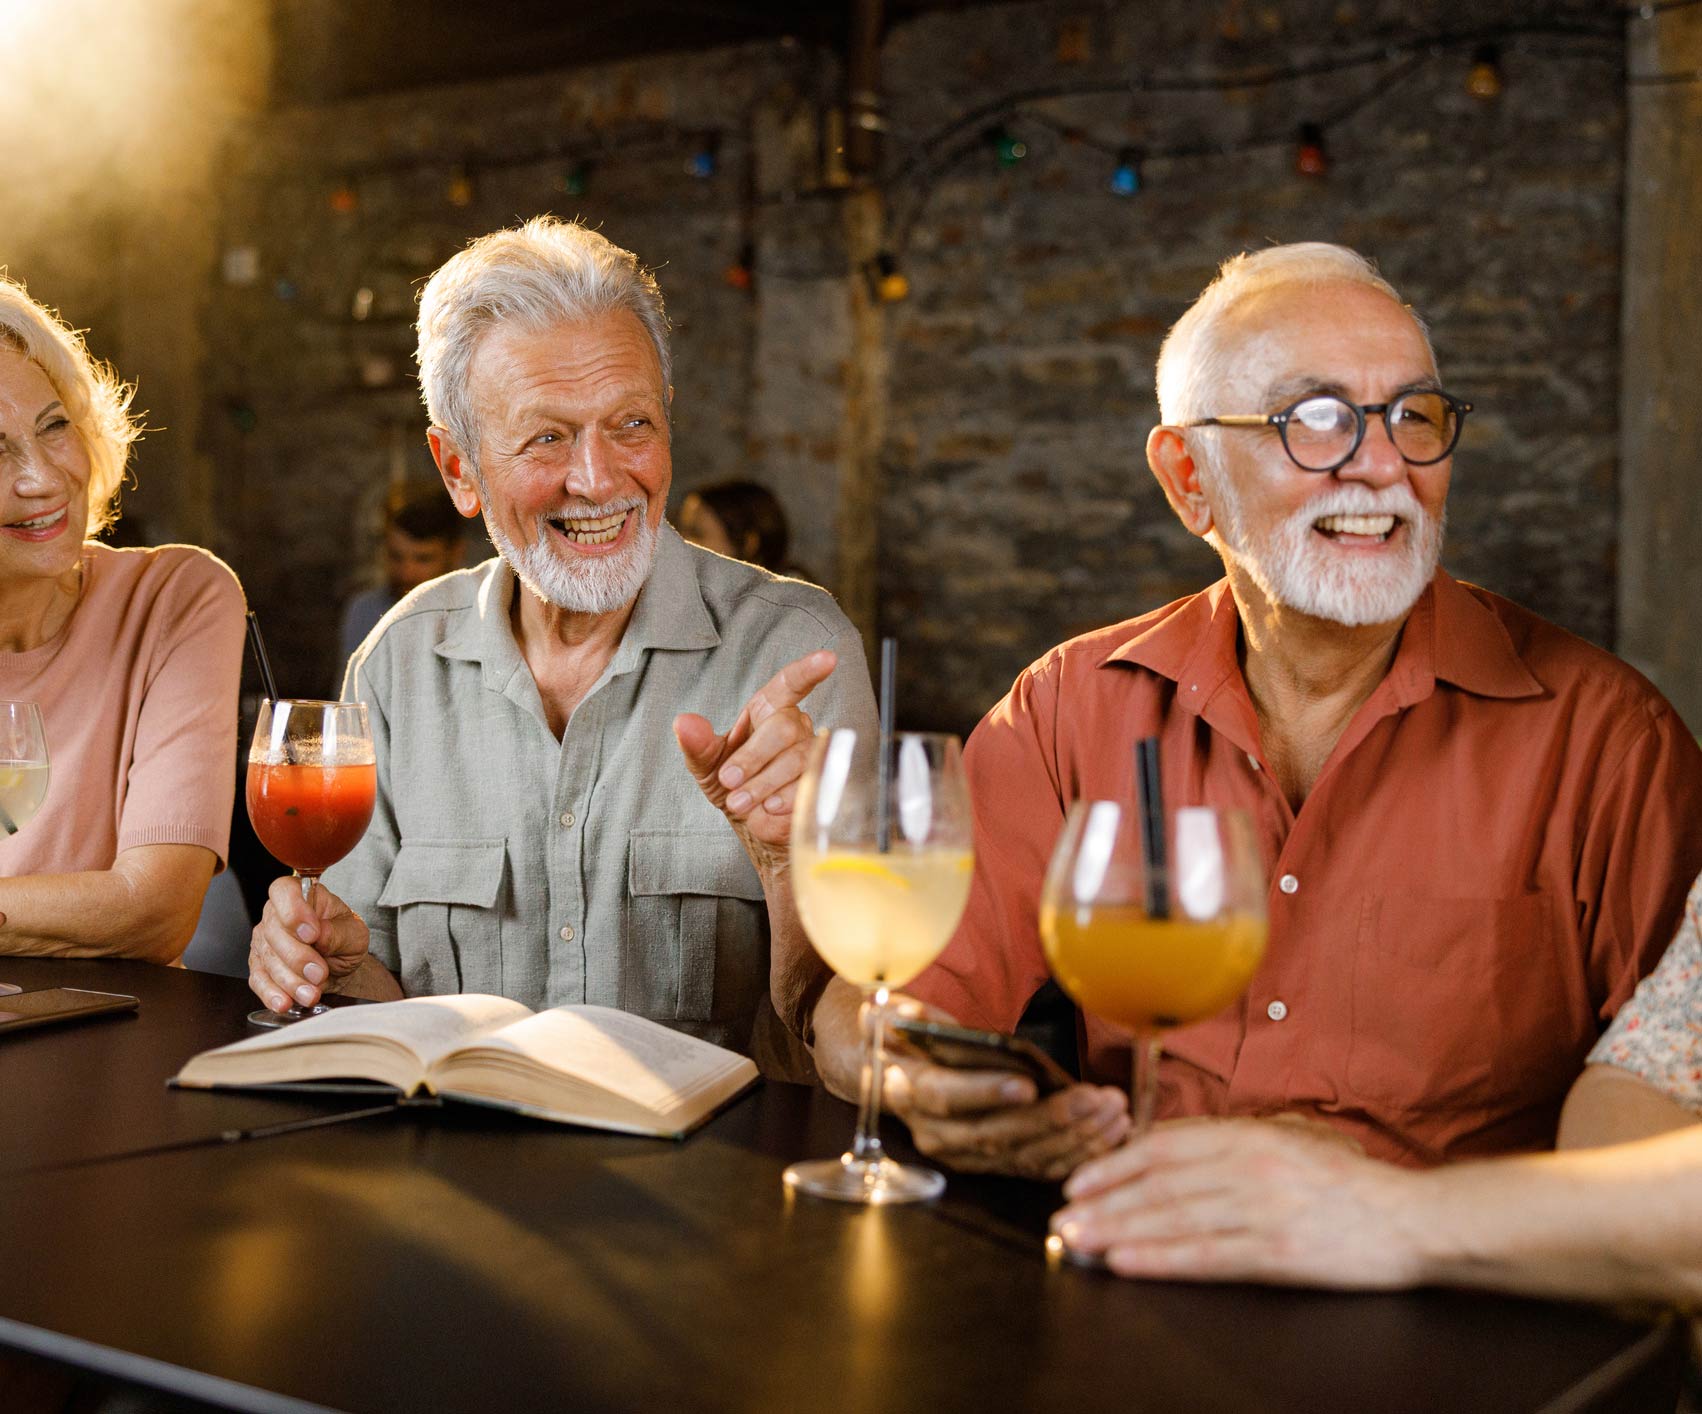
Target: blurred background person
{"type": "Point", "coordinates": [132, 656]}
{"type": "Point", "coordinates": [743, 521]}
{"type": "Point", "coordinates": [424, 537]}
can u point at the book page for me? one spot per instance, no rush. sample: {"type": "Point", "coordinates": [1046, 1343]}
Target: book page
{"type": "Point", "coordinates": [424, 1026]}
{"type": "Point", "coordinates": [639, 1060]}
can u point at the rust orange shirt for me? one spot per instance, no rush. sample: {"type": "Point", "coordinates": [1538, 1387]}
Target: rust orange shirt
{"type": "Point", "coordinates": [1495, 853]}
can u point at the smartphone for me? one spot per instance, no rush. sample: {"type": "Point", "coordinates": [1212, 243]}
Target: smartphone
{"type": "Point", "coordinates": [963, 1048]}
{"type": "Point", "coordinates": [53, 1004]}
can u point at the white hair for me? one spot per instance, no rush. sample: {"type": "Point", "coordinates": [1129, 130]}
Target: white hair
{"type": "Point", "coordinates": [1195, 363]}
{"type": "Point", "coordinates": [543, 273]}
{"type": "Point", "coordinates": [96, 400]}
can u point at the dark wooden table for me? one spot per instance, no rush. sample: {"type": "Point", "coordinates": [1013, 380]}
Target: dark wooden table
{"type": "Point", "coordinates": [459, 1259]}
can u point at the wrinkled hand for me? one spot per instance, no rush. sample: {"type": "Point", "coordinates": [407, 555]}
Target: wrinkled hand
{"type": "Point", "coordinates": [990, 1121]}
{"type": "Point", "coordinates": [296, 950]}
{"type": "Point", "coordinates": [751, 773]}
{"type": "Point", "coordinates": [1246, 1200]}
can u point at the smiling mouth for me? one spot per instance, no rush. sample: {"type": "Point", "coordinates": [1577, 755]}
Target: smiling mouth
{"type": "Point", "coordinates": [590, 530]}
{"type": "Point", "coordinates": [42, 522]}
{"type": "Point", "coordinates": [1352, 529]}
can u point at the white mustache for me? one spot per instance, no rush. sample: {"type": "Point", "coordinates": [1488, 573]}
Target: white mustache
{"type": "Point", "coordinates": [1362, 501]}
{"type": "Point", "coordinates": [584, 510]}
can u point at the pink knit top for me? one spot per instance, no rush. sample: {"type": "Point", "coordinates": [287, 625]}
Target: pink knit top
{"type": "Point", "coordinates": [138, 697]}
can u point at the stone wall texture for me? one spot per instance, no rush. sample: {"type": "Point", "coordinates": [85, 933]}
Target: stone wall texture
{"type": "Point", "coordinates": [1015, 383]}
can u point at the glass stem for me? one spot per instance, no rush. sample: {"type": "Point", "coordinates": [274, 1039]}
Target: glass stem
{"type": "Point", "coordinates": [1143, 1081]}
{"type": "Point", "coordinates": [307, 881]}
{"type": "Point", "coordinates": [866, 1144]}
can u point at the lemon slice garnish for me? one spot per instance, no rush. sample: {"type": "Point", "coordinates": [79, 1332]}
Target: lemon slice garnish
{"type": "Point", "coordinates": [857, 864]}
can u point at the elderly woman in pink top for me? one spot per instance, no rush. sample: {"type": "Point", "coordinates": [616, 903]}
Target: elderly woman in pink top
{"type": "Point", "coordinates": [133, 657]}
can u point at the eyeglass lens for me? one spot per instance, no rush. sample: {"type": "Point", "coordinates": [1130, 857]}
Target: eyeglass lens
{"type": "Point", "coordinates": [1320, 431]}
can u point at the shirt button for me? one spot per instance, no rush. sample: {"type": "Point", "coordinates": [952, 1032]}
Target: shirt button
{"type": "Point", "coordinates": [567, 819]}
{"type": "Point", "coordinates": [1253, 761]}
{"type": "Point", "coordinates": [1289, 884]}
{"type": "Point", "coordinates": [1277, 1010]}
{"type": "Point", "coordinates": [566, 933]}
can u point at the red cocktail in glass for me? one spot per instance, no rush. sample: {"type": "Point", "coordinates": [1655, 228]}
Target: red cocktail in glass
{"type": "Point", "coordinates": [309, 817]}
{"type": "Point", "coordinates": [312, 778]}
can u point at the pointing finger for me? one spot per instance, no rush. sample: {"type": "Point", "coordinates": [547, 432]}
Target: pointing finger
{"type": "Point", "coordinates": [792, 684]}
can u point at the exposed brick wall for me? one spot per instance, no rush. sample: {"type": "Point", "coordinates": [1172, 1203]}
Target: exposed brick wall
{"type": "Point", "coordinates": [1019, 509]}
{"type": "Point", "coordinates": [1016, 507]}
{"type": "Point", "coordinates": [306, 449]}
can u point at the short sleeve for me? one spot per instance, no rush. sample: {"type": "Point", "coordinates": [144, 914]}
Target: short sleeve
{"type": "Point", "coordinates": [1639, 851]}
{"type": "Point", "coordinates": [1657, 1035]}
{"type": "Point", "coordinates": [994, 963]}
{"type": "Point", "coordinates": [182, 773]}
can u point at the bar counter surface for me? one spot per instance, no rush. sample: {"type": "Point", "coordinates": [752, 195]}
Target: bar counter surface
{"type": "Point", "coordinates": [459, 1259]}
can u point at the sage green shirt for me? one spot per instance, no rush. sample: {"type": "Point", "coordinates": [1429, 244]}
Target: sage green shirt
{"type": "Point", "coordinates": [589, 869]}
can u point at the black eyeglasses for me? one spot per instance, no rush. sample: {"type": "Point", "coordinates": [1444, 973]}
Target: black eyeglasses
{"type": "Point", "coordinates": [1322, 432]}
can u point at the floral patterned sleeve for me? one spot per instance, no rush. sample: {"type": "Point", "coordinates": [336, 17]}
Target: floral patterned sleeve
{"type": "Point", "coordinates": [1657, 1035]}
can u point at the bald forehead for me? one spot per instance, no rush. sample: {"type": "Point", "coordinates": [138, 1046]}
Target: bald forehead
{"type": "Point", "coordinates": [1324, 334]}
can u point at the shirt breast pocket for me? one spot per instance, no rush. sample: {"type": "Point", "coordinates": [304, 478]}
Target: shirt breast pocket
{"type": "Point", "coordinates": [696, 946]}
{"type": "Point", "coordinates": [1458, 1002]}
{"type": "Point", "coordinates": [448, 923]}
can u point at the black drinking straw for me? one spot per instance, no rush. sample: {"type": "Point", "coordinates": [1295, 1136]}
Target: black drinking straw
{"type": "Point", "coordinates": [883, 809]}
{"type": "Point", "coordinates": [1149, 791]}
{"type": "Point", "coordinates": [259, 646]}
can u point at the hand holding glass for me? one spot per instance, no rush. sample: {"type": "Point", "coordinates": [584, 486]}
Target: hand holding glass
{"type": "Point", "coordinates": [23, 764]}
{"type": "Point", "coordinates": [879, 916]}
{"type": "Point", "coordinates": [312, 780]}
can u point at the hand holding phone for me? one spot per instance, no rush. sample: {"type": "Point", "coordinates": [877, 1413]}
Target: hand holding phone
{"type": "Point", "coordinates": [964, 1048]}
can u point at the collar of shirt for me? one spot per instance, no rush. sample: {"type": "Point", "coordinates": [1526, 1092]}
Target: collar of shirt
{"type": "Point", "coordinates": [670, 614]}
{"type": "Point", "coordinates": [1449, 636]}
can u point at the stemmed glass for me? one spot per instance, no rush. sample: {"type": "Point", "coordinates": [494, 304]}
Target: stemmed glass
{"type": "Point", "coordinates": [23, 764]}
{"type": "Point", "coordinates": [882, 855]}
{"type": "Point", "coordinates": [1152, 949]}
{"type": "Point", "coordinates": [312, 779]}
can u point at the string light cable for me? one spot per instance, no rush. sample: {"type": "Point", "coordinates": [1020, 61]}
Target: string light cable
{"type": "Point", "coordinates": [963, 137]}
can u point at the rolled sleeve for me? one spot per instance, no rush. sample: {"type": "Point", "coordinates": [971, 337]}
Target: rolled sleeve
{"type": "Point", "coordinates": [994, 963]}
{"type": "Point", "coordinates": [1640, 850]}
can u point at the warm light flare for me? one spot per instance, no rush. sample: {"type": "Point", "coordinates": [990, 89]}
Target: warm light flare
{"type": "Point", "coordinates": [118, 103]}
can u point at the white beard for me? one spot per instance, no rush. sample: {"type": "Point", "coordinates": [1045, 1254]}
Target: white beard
{"type": "Point", "coordinates": [589, 585]}
{"type": "Point", "coordinates": [1296, 569]}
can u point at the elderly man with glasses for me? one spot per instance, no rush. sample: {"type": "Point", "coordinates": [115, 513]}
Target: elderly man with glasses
{"type": "Point", "coordinates": [1478, 829]}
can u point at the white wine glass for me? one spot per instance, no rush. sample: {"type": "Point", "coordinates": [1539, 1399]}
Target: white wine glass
{"type": "Point", "coordinates": [24, 767]}
{"type": "Point", "coordinates": [882, 856]}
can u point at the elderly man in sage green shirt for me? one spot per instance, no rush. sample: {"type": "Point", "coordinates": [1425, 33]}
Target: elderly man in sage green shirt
{"type": "Point", "coordinates": [537, 834]}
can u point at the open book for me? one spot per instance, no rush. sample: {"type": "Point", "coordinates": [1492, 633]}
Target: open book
{"type": "Point", "coordinates": [585, 1065]}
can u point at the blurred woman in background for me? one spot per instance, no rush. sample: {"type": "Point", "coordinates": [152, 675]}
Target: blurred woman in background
{"type": "Point", "coordinates": [133, 657]}
{"type": "Point", "coordinates": [743, 521]}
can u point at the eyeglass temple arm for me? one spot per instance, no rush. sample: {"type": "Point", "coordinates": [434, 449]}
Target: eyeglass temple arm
{"type": "Point", "coordinates": [1240, 419]}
